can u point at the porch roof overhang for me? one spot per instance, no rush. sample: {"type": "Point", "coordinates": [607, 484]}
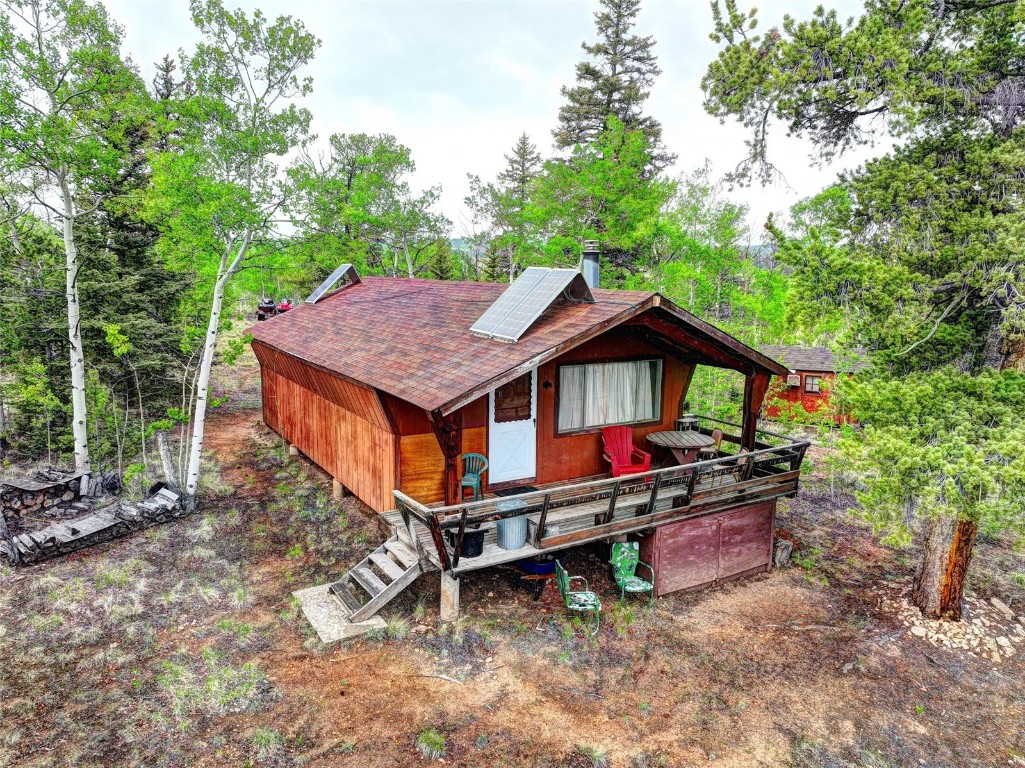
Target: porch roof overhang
{"type": "Point", "coordinates": [410, 338]}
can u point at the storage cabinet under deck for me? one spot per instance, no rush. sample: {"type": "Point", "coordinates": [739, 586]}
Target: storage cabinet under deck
{"type": "Point", "coordinates": [707, 549]}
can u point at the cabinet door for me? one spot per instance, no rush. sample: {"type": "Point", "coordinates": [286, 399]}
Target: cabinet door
{"type": "Point", "coordinates": [745, 539]}
{"type": "Point", "coordinates": [688, 554]}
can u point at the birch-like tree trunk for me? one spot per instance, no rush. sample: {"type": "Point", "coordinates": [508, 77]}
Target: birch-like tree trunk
{"type": "Point", "coordinates": [79, 419]}
{"type": "Point", "coordinates": [203, 378]}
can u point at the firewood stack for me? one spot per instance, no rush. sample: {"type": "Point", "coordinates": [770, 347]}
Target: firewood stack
{"type": "Point", "coordinates": [39, 495]}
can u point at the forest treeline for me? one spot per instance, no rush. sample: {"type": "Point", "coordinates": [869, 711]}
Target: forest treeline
{"type": "Point", "coordinates": [137, 215]}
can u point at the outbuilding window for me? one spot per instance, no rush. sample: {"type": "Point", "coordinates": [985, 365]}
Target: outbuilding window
{"type": "Point", "coordinates": [811, 384]}
{"type": "Point", "coordinates": [604, 394]}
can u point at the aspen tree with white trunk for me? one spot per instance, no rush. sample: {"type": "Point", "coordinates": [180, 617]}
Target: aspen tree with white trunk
{"type": "Point", "coordinates": [65, 92]}
{"type": "Point", "coordinates": [218, 192]}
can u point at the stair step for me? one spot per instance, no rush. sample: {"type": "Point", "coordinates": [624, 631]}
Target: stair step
{"type": "Point", "coordinates": [341, 591]}
{"type": "Point", "coordinates": [379, 601]}
{"type": "Point", "coordinates": [386, 564]}
{"type": "Point", "coordinates": [405, 555]}
{"type": "Point", "coordinates": [366, 579]}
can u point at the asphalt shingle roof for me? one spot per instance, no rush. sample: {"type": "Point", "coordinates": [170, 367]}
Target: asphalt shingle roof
{"type": "Point", "coordinates": [403, 335]}
{"type": "Point", "coordinates": [411, 338]}
{"type": "Point", "coordinates": [798, 358]}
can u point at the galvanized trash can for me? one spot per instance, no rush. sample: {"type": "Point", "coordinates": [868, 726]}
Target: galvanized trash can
{"type": "Point", "coordinates": [512, 531]}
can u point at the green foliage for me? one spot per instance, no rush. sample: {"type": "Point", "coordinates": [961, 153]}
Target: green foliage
{"type": "Point", "coordinates": [358, 208]}
{"type": "Point", "coordinates": [940, 443]}
{"type": "Point", "coordinates": [37, 423]}
{"type": "Point", "coordinates": [614, 82]}
{"type": "Point", "coordinates": [920, 250]}
{"type": "Point", "coordinates": [510, 236]}
{"type": "Point", "coordinates": [267, 742]}
{"type": "Point", "coordinates": [602, 192]}
{"type": "Point", "coordinates": [598, 757]}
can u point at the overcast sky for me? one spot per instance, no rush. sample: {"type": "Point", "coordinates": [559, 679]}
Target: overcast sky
{"type": "Point", "coordinates": [458, 80]}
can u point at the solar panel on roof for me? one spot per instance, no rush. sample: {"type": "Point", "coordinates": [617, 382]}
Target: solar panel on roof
{"type": "Point", "coordinates": [524, 301]}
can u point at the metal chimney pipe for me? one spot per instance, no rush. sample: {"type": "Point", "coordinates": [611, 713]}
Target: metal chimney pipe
{"type": "Point", "coordinates": [589, 263]}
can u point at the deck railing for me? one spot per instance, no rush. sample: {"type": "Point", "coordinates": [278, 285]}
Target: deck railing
{"type": "Point", "coordinates": [627, 503]}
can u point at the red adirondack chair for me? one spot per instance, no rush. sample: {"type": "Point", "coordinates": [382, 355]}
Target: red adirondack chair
{"type": "Point", "coordinates": [626, 459]}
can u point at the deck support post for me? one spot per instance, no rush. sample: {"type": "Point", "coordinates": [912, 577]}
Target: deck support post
{"type": "Point", "coordinates": [337, 490]}
{"type": "Point", "coordinates": [449, 597]}
{"type": "Point", "coordinates": [292, 450]}
{"type": "Point", "coordinates": [755, 387]}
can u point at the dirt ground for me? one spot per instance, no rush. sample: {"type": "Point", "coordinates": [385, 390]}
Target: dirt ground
{"type": "Point", "coordinates": [182, 646]}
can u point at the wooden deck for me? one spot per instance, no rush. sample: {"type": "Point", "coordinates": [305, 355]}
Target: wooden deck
{"type": "Point", "coordinates": [568, 515]}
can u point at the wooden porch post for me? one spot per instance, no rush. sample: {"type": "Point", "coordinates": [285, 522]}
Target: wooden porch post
{"type": "Point", "coordinates": [755, 386]}
{"type": "Point", "coordinates": [449, 432]}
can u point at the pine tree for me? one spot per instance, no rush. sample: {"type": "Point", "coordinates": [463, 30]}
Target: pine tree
{"type": "Point", "coordinates": [441, 266]}
{"type": "Point", "coordinates": [614, 82]}
{"type": "Point", "coordinates": [522, 167]}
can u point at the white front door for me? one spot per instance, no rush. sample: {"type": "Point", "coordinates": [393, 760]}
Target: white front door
{"type": "Point", "coordinates": [512, 430]}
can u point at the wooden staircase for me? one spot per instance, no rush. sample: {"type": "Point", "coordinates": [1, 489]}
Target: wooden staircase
{"type": "Point", "coordinates": [378, 578]}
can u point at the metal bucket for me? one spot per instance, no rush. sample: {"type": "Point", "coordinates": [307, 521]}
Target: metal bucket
{"type": "Point", "coordinates": [512, 531]}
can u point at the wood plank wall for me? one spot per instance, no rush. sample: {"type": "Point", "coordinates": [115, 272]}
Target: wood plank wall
{"type": "Point", "coordinates": [340, 426]}
{"type": "Point", "coordinates": [565, 457]}
{"type": "Point", "coordinates": [421, 462]}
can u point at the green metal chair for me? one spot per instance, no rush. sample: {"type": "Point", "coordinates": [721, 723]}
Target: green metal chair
{"type": "Point", "coordinates": [474, 465]}
{"type": "Point", "coordinates": [626, 556]}
{"type": "Point", "coordinates": [584, 600]}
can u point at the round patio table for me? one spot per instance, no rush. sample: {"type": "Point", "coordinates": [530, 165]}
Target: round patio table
{"type": "Point", "coordinates": [684, 444]}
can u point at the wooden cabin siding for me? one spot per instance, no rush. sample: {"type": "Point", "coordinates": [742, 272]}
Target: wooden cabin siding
{"type": "Point", "coordinates": [357, 453]}
{"type": "Point", "coordinates": [421, 468]}
{"type": "Point", "coordinates": [566, 457]}
{"type": "Point", "coordinates": [341, 426]}
{"type": "Point", "coordinates": [360, 400]}
{"type": "Point", "coordinates": [421, 462]}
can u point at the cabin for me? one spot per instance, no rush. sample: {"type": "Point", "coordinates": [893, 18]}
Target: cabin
{"type": "Point", "coordinates": [811, 372]}
{"type": "Point", "coordinates": [386, 383]}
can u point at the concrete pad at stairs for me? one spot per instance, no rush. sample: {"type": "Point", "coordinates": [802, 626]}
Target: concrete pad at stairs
{"type": "Point", "coordinates": [329, 618]}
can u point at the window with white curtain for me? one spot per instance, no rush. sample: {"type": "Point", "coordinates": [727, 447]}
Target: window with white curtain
{"type": "Point", "coordinates": [602, 394]}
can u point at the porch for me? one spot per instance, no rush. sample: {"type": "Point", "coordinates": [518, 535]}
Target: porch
{"type": "Point", "coordinates": [565, 515]}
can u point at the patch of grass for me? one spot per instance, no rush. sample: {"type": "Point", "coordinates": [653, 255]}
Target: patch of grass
{"type": "Point", "coordinates": [242, 631]}
{"type": "Point", "coordinates": [116, 576]}
{"type": "Point", "coordinates": [49, 623]}
{"type": "Point", "coordinates": [431, 743]}
{"type": "Point", "coordinates": [397, 628]}
{"type": "Point", "coordinates": [216, 690]}
{"type": "Point", "coordinates": [807, 558]}
{"type": "Point", "coordinates": [420, 609]}
{"type": "Point", "coordinates": [597, 756]}
{"type": "Point", "coordinates": [267, 742]}
{"type": "Point", "coordinates": [294, 552]}
{"type": "Point", "coordinates": [623, 615]}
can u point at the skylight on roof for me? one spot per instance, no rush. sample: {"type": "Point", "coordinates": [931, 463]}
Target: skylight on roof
{"type": "Point", "coordinates": [526, 299]}
{"type": "Point", "coordinates": [344, 271]}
